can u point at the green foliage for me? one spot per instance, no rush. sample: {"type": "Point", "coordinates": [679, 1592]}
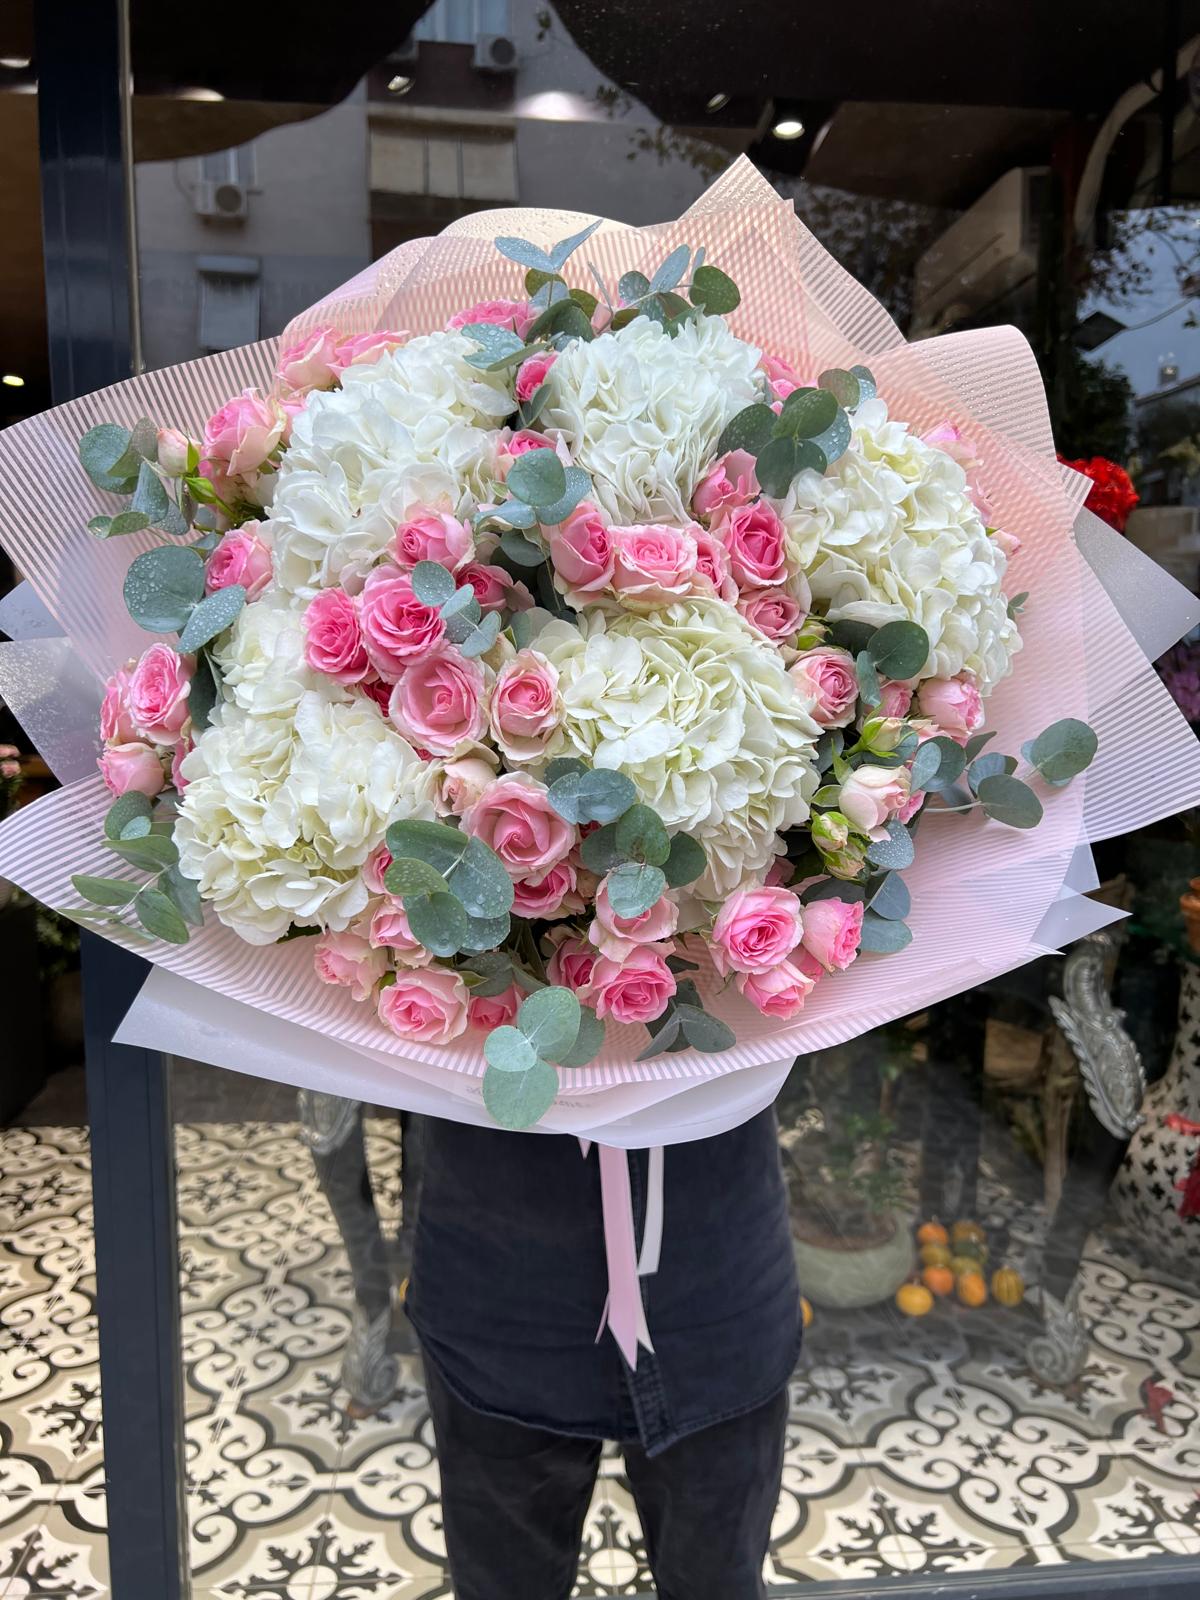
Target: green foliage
{"type": "Point", "coordinates": [899, 649]}
{"type": "Point", "coordinates": [212, 616]}
{"type": "Point", "coordinates": [163, 586]}
{"type": "Point", "coordinates": [473, 872]}
{"type": "Point", "coordinates": [634, 886]}
{"type": "Point", "coordinates": [1063, 750]}
{"type": "Point", "coordinates": [1008, 800]}
{"type": "Point", "coordinates": [591, 794]}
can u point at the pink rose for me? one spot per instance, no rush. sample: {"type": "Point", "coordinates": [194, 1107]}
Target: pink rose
{"type": "Point", "coordinates": [333, 642]}
{"type": "Point", "coordinates": [826, 676]}
{"type": "Point", "coordinates": [241, 435]}
{"type": "Point", "coordinates": [772, 611]}
{"type": "Point", "coordinates": [953, 703]}
{"type": "Point", "coordinates": [174, 451]}
{"type": "Point", "coordinates": [1007, 542]}
{"type": "Point", "coordinates": [494, 1010]}
{"type": "Point", "coordinates": [158, 693]}
{"type": "Point", "coordinates": [397, 628]}
{"type": "Point", "coordinates": [433, 536]}
{"type": "Point", "coordinates": [636, 989]}
{"type": "Point", "coordinates": [894, 700]}
{"type": "Point", "coordinates": [756, 541]}
{"type": "Point", "coordinates": [755, 929]}
{"type": "Point", "coordinates": [429, 1005]}
{"type": "Point", "coordinates": [362, 349]}
{"type": "Point", "coordinates": [779, 873]}
{"type": "Point", "coordinates": [954, 443]}
{"type": "Point", "coordinates": [652, 565]}
{"type": "Point", "coordinates": [516, 819]}
{"type": "Point", "coordinates": [116, 719]}
{"type": "Point", "coordinates": [518, 315]}
{"type": "Point", "coordinates": [241, 557]}
{"type": "Point", "coordinates": [460, 784]}
{"type": "Point", "coordinates": [440, 701]}
{"type": "Point", "coordinates": [781, 375]}
{"type": "Point", "coordinates": [730, 481]}
{"type": "Point", "coordinates": [870, 795]}
{"type": "Point", "coordinates": [544, 896]}
{"type": "Point", "coordinates": [389, 930]}
{"type": "Point", "coordinates": [581, 552]}
{"type": "Point", "coordinates": [531, 374]}
{"type": "Point", "coordinates": [518, 444]}
{"type": "Point", "coordinates": [712, 567]}
{"type": "Point", "coordinates": [832, 929]}
{"type": "Point", "coordinates": [525, 712]}
{"type": "Point", "coordinates": [572, 963]}
{"type": "Point", "coordinates": [132, 766]}
{"type": "Point", "coordinates": [312, 363]}
{"type": "Point", "coordinates": [375, 869]}
{"type": "Point", "coordinates": [183, 749]}
{"type": "Point", "coordinates": [911, 806]}
{"type": "Point", "coordinates": [615, 936]}
{"type": "Point", "coordinates": [495, 589]}
{"type": "Point", "coordinates": [348, 959]}
{"type": "Point", "coordinates": [779, 992]}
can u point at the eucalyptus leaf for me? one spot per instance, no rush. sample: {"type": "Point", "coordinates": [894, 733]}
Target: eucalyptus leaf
{"type": "Point", "coordinates": [518, 1099]}
{"type": "Point", "coordinates": [671, 270]}
{"type": "Point", "coordinates": [633, 286]}
{"type": "Point", "coordinates": [1063, 750]}
{"type": "Point", "coordinates": [988, 766]}
{"type": "Point", "coordinates": [868, 679]}
{"type": "Point", "coordinates": [750, 430]}
{"type": "Point", "coordinates": [834, 889]}
{"type": "Point", "coordinates": [599, 852]}
{"type": "Point", "coordinates": [150, 497]}
{"type": "Point", "coordinates": [634, 887]}
{"type": "Point", "coordinates": [521, 550]}
{"type": "Point", "coordinates": [561, 766]}
{"type": "Point", "coordinates": [532, 408]}
{"type": "Point", "coordinates": [685, 861]}
{"type": "Point", "coordinates": [437, 921]}
{"type": "Point", "coordinates": [844, 386]}
{"type": "Point", "coordinates": [481, 637]}
{"type": "Point", "coordinates": [432, 584]}
{"type": "Point", "coordinates": [473, 872]}
{"type": "Point", "coordinates": [1008, 800]}
{"type": "Point", "coordinates": [508, 1050]}
{"type": "Point", "coordinates": [713, 291]}
{"type": "Point", "coordinates": [104, 891]}
{"type": "Point", "coordinates": [567, 247]}
{"type": "Point", "coordinates": [100, 451]}
{"type": "Point", "coordinates": [184, 893]}
{"type": "Point", "coordinates": [124, 522]}
{"type": "Point", "coordinates": [807, 412]}
{"type": "Point", "coordinates": [896, 851]}
{"type": "Point", "coordinates": [537, 477]}
{"type": "Point", "coordinates": [883, 935]}
{"type": "Point", "coordinates": [485, 933]}
{"type": "Point", "coordinates": [925, 765]}
{"type": "Point", "coordinates": [950, 766]}
{"type": "Point", "coordinates": [214, 614]}
{"type": "Point", "coordinates": [410, 875]}
{"type": "Point", "coordinates": [891, 899]}
{"type": "Point", "coordinates": [124, 810]}
{"type": "Point", "coordinates": [160, 916]}
{"type": "Point", "coordinates": [491, 973]}
{"type": "Point", "coordinates": [976, 743]}
{"type": "Point", "coordinates": [162, 587]}
{"type": "Point", "coordinates": [867, 387]}
{"type": "Point", "coordinates": [588, 1043]}
{"type": "Point", "coordinates": [835, 440]}
{"type": "Point", "coordinates": [776, 465]}
{"type": "Point", "coordinates": [550, 1020]}
{"type": "Point", "coordinates": [664, 1032]}
{"type": "Point", "coordinates": [203, 693]}
{"type": "Point", "coordinates": [578, 485]}
{"type": "Point", "coordinates": [899, 649]}
{"type": "Point", "coordinates": [640, 836]}
{"type": "Point", "coordinates": [596, 795]}
{"type": "Point", "coordinates": [810, 457]}
{"type": "Point", "coordinates": [153, 852]}
{"type": "Point", "coordinates": [526, 254]}
{"type": "Point", "coordinates": [703, 1031]}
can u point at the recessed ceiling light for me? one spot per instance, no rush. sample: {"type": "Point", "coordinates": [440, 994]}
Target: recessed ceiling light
{"type": "Point", "coordinates": [716, 102]}
{"type": "Point", "coordinates": [14, 63]}
{"type": "Point", "coordinates": [788, 128]}
{"type": "Point", "coordinates": [399, 84]}
{"type": "Point", "coordinates": [13, 381]}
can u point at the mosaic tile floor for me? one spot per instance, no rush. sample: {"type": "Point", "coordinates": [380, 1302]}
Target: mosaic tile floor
{"type": "Point", "coordinates": [915, 1447]}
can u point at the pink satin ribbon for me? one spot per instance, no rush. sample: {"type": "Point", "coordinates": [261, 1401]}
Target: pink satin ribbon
{"type": "Point", "coordinates": [624, 1314]}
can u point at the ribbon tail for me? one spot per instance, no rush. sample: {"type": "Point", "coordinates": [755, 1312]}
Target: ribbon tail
{"type": "Point", "coordinates": [624, 1314]}
{"type": "Point", "coordinates": [652, 1233]}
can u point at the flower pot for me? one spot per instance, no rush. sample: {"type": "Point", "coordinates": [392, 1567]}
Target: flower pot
{"type": "Point", "coordinates": [844, 1274]}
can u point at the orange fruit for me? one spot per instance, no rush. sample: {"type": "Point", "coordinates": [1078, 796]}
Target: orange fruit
{"type": "Point", "coordinates": [935, 1255]}
{"type": "Point", "coordinates": [914, 1299]}
{"type": "Point", "coordinates": [1008, 1286]}
{"type": "Point", "coordinates": [932, 1233]}
{"type": "Point", "coordinates": [939, 1279]}
{"type": "Point", "coordinates": [972, 1290]}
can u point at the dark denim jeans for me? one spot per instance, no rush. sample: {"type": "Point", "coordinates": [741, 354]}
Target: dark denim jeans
{"type": "Point", "coordinates": [514, 1500]}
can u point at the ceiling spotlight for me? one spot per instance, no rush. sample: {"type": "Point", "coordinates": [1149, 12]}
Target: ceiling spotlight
{"type": "Point", "coordinates": [716, 102]}
{"type": "Point", "coordinates": [399, 84]}
{"type": "Point", "coordinates": [13, 381]}
{"type": "Point", "coordinates": [14, 63]}
{"type": "Point", "coordinates": [788, 128]}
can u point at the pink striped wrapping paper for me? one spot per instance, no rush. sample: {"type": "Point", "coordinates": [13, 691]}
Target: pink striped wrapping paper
{"type": "Point", "coordinates": [985, 898]}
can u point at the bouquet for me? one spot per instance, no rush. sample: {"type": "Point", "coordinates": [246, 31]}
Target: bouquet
{"type": "Point", "coordinates": [584, 663]}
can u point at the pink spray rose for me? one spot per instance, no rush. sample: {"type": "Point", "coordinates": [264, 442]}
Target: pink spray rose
{"type": "Point", "coordinates": [132, 766]}
{"type": "Point", "coordinates": [183, 749]}
{"type": "Point", "coordinates": [241, 557]}
{"type": "Point", "coordinates": [158, 693]}
{"type": "Point", "coordinates": [827, 677]}
{"type": "Point", "coordinates": [433, 536]}
{"type": "Point", "coordinates": [581, 551]}
{"type": "Point", "coordinates": [494, 1010]}
{"type": "Point", "coordinates": [894, 699]}
{"type": "Point", "coordinates": [516, 314]}
{"type": "Point", "coordinates": [832, 929]}
{"type": "Point", "coordinates": [653, 565]}
{"type": "Point", "coordinates": [953, 703]}
{"type": "Point", "coordinates": [615, 936]}
{"type": "Point", "coordinates": [333, 641]}
{"type": "Point", "coordinates": [870, 795]}
{"type": "Point", "coordinates": [544, 896]}
{"type": "Point", "coordinates": [712, 567]}
{"type": "Point", "coordinates": [531, 374]}
{"type": "Point", "coordinates": [440, 701]}
{"type": "Point", "coordinates": [428, 1005]}
{"type": "Point", "coordinates": [116, 719]}
{"type": "Point", "coordinates": [756, 541]}
{"type": "Point", "coordinates": [755, 929]}
{"type": "Point", "coordinates": [572, 963]}
{"type": "Point", "coordinates": [525, 711]}
{"type": "Point", "coordinates": [461, 782]}
{"type": "Point", "coordinates": [361, 349]}
{"type": "Point", "coordinates": [779, 992]}
{"type": "Point", "coordinates": [375, 868]}
{"type": "Point", "coordinates": [397, 628]}
{"type": "Point", "coordinates": [389, 930]}
{"type": "Point", "coordinates": [347, 959]}
{"type": "Point", "coordinates": [174, 449]}
{"type": "Point", "coordinates": [495, 589]}
{"type": "Point", "coordinates": [781, 375]}
{"type": "Point", "coordinates": [516, 819]}
{"type": "Point", "coordinates": [911, 806]}
{"type": "Point", "coordinates": [730, 481]}
{"type": "Point", "coordinates": [518, 444]}
{"type": "Point", "coordinates": [241, 435]}
{"type": "Point", "coordinates": [311, 363]}
{"type": "Point", "coordinates": [635, 989]}
{"type": "Point", "coordinates": [773, 612]}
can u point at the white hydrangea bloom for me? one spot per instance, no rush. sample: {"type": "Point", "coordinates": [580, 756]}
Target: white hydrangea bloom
{"type": "Point", "coordinates": [281, 810]}
{"type": "Point", "coordinates": [890, 533]}
{"type": "Point", "coordinates": [641, 412]}
{"type": "Point", "coordinates": [700, 713]}
{"type": "Point", "coordinates": [261, 657]}
{"type": "Point", "coordinates": [415, 428]}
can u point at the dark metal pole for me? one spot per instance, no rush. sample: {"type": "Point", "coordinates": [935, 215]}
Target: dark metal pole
{"type": "Point", "coordinates": [83, 98]}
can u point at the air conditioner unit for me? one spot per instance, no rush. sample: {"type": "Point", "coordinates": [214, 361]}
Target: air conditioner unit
{"type": "Point", "coordinates": [494, 52]}
{"type": "Point", "coordinates": [221, 200]}
{"type": "Point", "coordinates": [983, 256]}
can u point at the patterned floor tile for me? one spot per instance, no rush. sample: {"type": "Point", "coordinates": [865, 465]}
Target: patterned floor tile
{"type": "Point", "coordinates": [60, 1559]}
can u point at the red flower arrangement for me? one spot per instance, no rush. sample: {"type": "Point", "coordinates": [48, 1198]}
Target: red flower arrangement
{"type": "Point", "coordinates": [1112, 495]}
